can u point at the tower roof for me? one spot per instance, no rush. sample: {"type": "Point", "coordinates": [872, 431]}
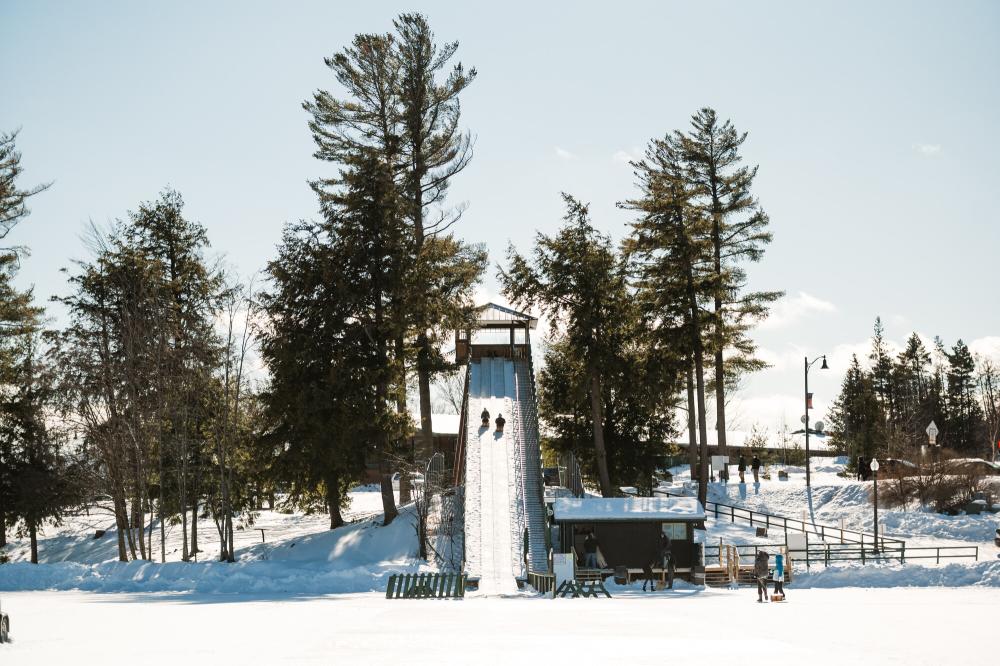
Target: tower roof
{"type": "Point", "coordinates": [492, 315]}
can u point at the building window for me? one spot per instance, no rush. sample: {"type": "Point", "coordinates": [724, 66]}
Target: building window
{"type": "Point", "coordinates": [676, 531]}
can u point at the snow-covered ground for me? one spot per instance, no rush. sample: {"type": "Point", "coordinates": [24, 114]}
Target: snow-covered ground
{"type": "Point", "coordinates": [74, 541]}
{"type": "Point", "coordinates": [816, 627]}
{"type": "Point", "coordinates": [300, 556]}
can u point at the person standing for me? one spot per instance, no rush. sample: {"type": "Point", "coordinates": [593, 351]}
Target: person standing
{"type": "Point", "coordinates": [755, 466]}
{"type": "Point", "coordinates": [590, 551]}
{"type": "Point", "coordinates": [667, 558]}
{"type": "Point", "coordinates": [741, 467]}
{"type": "Point", "coordinates": [779, 575]}
{"type": "Point", "coordinates": [760, 573]}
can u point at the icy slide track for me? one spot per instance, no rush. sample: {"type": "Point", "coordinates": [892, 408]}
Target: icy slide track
{"type": "Point", "coordinates": [496, 481]}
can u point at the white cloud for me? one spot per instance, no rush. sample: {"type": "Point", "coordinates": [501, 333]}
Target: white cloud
{"type": "Point", "coordinates": [772, 410]}
{"type": "Point", "coordinates": [564, 154]}
{"type": "Point", "coordinates": [928, 149]}
{"type": "Point", "coordinates": [988, 347]}
{"type": "Point", "coordinates": [790, 309]}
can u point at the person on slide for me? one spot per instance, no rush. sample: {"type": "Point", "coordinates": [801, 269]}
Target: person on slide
{"type": "Point", "coordinates": [485, 416]}
{"type": "Point", "coordinates": [500, 421]}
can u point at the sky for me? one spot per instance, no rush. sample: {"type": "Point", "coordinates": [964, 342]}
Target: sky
{"type": "Point", "coordinates": [874, 126]}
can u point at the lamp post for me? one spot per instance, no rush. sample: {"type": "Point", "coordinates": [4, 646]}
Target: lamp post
{"type": "Point", "coordinates": [874, 467]}
{"type": "Point", "coordinates": [808, 364]}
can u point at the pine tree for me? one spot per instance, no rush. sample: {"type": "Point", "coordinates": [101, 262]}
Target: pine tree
{"type": "Point", "coordinates": [883, 380]}
{"type": "Point", "coordinates": [912, 398]}
{"type": "Point", "coordinates": [856, 420]}
{"type": "Point", "coordinates": [13, 200]}
{"type": "Point", "coordinates": [41, 483]}
{"type": "Point", "coordinates": [18, 315]}
{"type": "Point", "coordinates": [402, 100]}
{"type": "Point", "coordinates": [580, 282]}
{"type": "Point", "coordinates": [739, 233]}
{"type": "Point", "coordinates": [671, 250]}
{"type": "Point", "coordinates": [964, 412]}
{"type": "Point", "coordinates": [190, 294]}
{"type": "Point", "coordinates": [334, 313]}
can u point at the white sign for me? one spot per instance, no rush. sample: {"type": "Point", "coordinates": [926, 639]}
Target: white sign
{"type": "Point", "coordinates": [797, 543]}
{"type": "Point", "coordinates": [719, 463]}
{"type": "Point", "coordinates": [563, 566]}
{"type": "Point", "coordinates": [932, 433]}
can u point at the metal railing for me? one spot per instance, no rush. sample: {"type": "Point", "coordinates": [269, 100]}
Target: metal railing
{"type": "Point", "coordinates": [890, 552]}
{"type": "Point", "coordinates": [768, 520]}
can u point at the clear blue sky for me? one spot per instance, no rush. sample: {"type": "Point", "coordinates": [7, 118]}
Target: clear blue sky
{"type": "Point", "coordinates": [874, 125]}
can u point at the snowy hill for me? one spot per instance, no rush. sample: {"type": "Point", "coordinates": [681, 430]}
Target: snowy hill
{"type": "Point", "coordinates": [301, 556]}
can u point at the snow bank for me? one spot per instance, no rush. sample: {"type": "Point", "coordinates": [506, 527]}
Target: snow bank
{"type": "Point", "coordinates": [354, 558]}
{"type": "Point", "coordinates": [980, 574]}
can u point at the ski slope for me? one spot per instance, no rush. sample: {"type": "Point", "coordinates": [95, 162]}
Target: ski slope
{"type": "Point", "coordinates": [493, 531]}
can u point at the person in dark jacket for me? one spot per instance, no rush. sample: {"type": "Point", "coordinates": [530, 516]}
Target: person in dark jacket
{"type": "Point", "coordinates": [760, 573]}
{"type": "Point", "coordinates": [755, 466]}
{"type": "Point", "coordinates": [485, 416]}
{"type": "Point", "coordinates": [659, 561]}
{"type": "Point", "coordinates": [500, 421]}
{"type": "Point", "coordinates": [742, 468]}
{"type": "Point", "coordinates": [590, 551]}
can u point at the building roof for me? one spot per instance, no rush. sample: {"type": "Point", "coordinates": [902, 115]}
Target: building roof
{"type": "Point", "coordinates": [492, 314]}
{"type": "Point", "coordinates": [597, 509]}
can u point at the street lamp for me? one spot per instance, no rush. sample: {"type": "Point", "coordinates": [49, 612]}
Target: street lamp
{"type": "Point", "coordinates": [809, 364]}
{"type": "Point", "coordinates": [874, 467]}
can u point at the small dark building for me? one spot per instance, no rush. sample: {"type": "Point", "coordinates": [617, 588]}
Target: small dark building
{"type": "Point", "coordinates": [628, 529]}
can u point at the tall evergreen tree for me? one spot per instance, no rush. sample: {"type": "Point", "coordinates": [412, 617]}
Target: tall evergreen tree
{"type": "Point", "coordinates": [402, 100]}
{"type": "Point", "coordinates": [964, 412]}
{"type": "Point", "coordinates": [739, 233]}
{"type": "Point", "coordinates": [41, 479]}
{"type": "Point", "coordinates": [671, 250]}
{"type": "Point", "coordinates": [333, 313]}
{"type": "Point", "coordinates": [578, 279]}
{"type": "Point", "coordinates": [856, 420]}
{"type": "Point", "coordinates": [18, 315]}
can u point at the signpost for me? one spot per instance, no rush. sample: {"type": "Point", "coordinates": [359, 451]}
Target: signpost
{"type": "Point", "coordinates": [932, 433]}
{"type": "Point", "coordinates": [874, 467]}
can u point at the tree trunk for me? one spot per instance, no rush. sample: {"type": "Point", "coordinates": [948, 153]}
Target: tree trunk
{"type": "Point", "coordinates": [600, 454]}
{"type": "Point", "coordinates": [720, 372]}
{"type": "Point", "coordinates": [426, 447]}
{"type": "Point", "coordinates": [194, 527]}
{"type": "Point", "coordinates": [699, 370]}
{"type": "Point", "coordinates": [692, 422]}
{"type": "Point", "coordinates": [385, 482]}
{"type": "Point", "coordinates": [185, 553]}
{"type": "Point", "coordinates": [333, 502]}
{"type": "Point", "coordinates": [138, 523]}
{"type": "Point", "coordinates": [121, 523]}
{"type": "Point", "coordinates": [3, 529]}
{"type": "Point", "coordinates": [33, 534]}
